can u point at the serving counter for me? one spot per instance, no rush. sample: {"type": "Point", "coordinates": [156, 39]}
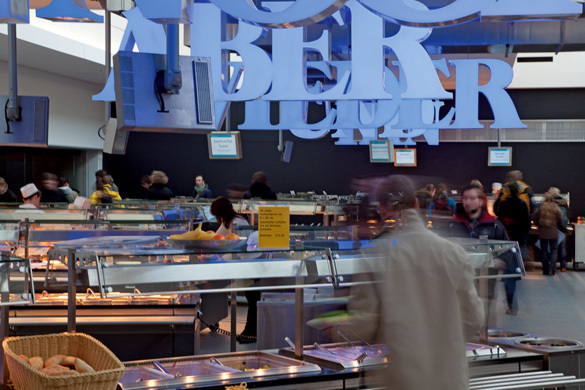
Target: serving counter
{"type": "Point", "coordinates": [130, 266]}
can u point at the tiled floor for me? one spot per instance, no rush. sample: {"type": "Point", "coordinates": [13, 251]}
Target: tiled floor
{"type": "Point", "coordinates": [552, 306]}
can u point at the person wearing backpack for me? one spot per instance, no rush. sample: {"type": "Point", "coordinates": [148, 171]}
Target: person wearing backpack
{"type": "Point", "coordinates": [442, 203]}
{"type": "Point", "coordinates": [524, 193]}
{"type": "Point", "coordinates": [548, 219]}
{"type": "Point", "coordinates": [514, 215]}
{"type": "Point", "coordinates": [564, 207]}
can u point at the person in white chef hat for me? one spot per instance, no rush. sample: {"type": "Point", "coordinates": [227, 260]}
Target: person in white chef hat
{"type": "Point", "coordinates": [31, 196]}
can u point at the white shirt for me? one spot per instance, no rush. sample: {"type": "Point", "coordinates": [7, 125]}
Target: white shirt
{"type": "Point", "coordinates": [28, 208]}
{"type": "Point", "coordinates": [237, 221]}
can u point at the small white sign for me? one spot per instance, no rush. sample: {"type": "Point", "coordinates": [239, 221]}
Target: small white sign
{"type": "Point", "coordinates": [405, 157]}
{"type": "Point", "coordinates": [381, 151]}
{"type": "Point", "coordinates": [500, 156]}
{"type": "Point", "coordinates": [224, 145]}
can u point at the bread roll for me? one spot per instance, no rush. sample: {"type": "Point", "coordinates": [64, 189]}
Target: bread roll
{"type": "Point", "coordinates": [24, 357]}
{"type": "Point", "coordinates": [54, 360]}
{"type": "Point", "coordinates": [68, 361]}
{"type": "Point", "coordinates": [82, 366]}
{"type": "Point", "coordinates": [36, 362]}
{"type": "Point", "coordinates": [55, 370]}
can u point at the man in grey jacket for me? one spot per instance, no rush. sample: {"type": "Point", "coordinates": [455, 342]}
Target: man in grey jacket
{"type": "Point", "coordinates": [422, 302]}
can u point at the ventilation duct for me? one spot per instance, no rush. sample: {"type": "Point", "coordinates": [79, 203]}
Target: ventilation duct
{"type": "Point", "coordinates": [536, 131]}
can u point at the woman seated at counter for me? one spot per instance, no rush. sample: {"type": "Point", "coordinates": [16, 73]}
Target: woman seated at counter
{"type": "Point", "coordinates": [225, 214]}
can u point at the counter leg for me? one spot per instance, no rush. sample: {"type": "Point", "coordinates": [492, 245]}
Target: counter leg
{"type": "Point", "coordinates": [483, 294]}
{"type": "Point", "coordinates": [197, 332]}
{"type": "Point", "coordinates": [299, 323]}
{"type": "Point", "coordinates": [4, 317]}
{"type": "Point", "coordinates": [71, 291]}
{"type": "Point", "coordinates": [233, 318]}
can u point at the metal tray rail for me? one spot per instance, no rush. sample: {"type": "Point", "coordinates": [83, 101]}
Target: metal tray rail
{"type": "Point", "coordinates": [526, 381]}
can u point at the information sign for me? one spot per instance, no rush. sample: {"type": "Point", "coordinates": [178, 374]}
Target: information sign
{"type": "Point", "coordinates": [500, 157]}
{"type": "Point", "coordinates": [381, 151]}
{"type": "Point", "coordinates": [273, 227]}
{"type": "Point", "coordinates": [405, 157]}
{"type": "Point", "coordinates": [224, 144]}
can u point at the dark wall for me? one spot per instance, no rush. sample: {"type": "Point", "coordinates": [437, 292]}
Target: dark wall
{"type": "Point", "coordinates": [20, 166]}
{"type": "Point", "coordinates": [319, 165]}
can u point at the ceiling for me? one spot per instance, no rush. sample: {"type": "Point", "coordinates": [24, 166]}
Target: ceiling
{"type": "Point", "coordinates": [471, 38]}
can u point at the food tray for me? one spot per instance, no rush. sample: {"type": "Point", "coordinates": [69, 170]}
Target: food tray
{"type": "Point", "coordinates": [182, 372]}
{"type": "Point", "coordinates": [342, 356]}
{"type": "Point", "coordinates": [207, 244]}
{"type": "Point", "coordinates": [473, 350]}
{"type": "Point", "coordinates": [108, 367]}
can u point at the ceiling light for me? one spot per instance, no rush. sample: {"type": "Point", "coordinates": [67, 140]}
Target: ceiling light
{"type": "Point", "coordinates": [69, 11]}
{"type": "Point", "coordinates": [14, 11]}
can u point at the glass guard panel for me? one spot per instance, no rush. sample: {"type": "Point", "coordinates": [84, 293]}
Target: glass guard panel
{"type": "Point", "coordinates": [15, 285]}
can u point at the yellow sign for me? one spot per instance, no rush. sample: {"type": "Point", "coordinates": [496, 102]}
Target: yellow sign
{"type": "Point", "coordinates": [273, 227]}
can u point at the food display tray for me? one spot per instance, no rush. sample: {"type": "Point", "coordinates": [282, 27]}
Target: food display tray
{"type": "Point", "coordinates": [473, 350]}
{"type": "Point", "coordinates": [342, 356]}
{"type": "Point", "coordinates": [188, 370]}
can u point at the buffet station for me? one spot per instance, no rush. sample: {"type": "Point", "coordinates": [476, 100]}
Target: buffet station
{"type": "Point", "coordinates": [132, 274]}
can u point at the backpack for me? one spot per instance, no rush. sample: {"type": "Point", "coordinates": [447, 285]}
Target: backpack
{"type": "Point", "coordinates": [442, 203]}
{"type": "Point", "coordinates": [522, 194]}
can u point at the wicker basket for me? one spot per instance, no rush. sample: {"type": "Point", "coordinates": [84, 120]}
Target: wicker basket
{"type": "Point", "coordinates": [108, 367]}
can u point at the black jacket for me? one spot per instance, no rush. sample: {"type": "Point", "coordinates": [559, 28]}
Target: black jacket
{"type": "Point", "coordinates": [159, 192]}
{"type": "Point", "coordinates": [260, 190]}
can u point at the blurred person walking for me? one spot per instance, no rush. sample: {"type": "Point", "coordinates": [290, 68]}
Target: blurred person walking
{"type": "Point", "coordinates": [70, 193]}
{"type": "Point", "coordinates": [259, 187]}
{"type": "Point", "coordinates": [422, 304]}
{"type": "Point", "coordinates": [50, 188]}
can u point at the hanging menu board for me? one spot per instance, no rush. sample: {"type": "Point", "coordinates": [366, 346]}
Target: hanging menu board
{"type": "Point", "coordinates": [405, 157]}
{"type": "Point", "coordinates": [500, 157]}
{"type": "Point", "coordinates": [381, 151]}
{"type": "Point", "coordinates": [273, 227]}
{"type": "Point", "coordinates": [224, 145]}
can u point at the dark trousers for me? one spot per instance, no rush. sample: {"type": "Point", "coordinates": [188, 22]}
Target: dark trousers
{"type": "Point", "coordinates": [252, 318]}
{"type": "Point", "coordinates": [548, 249]}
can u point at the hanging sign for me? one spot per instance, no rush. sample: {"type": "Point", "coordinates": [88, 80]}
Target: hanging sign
{"type": "Point", "coordinates": [351, 84]}
{"type": "Point", "coordinates": [381, 151]}
{"type": "Point", "coordinates": [273, 227]}
{"type": "Point", "coordinates": [224, 144]}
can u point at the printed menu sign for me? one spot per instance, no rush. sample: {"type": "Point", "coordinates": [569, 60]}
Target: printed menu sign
{"type": "Point", "coordinates": [273, 227]}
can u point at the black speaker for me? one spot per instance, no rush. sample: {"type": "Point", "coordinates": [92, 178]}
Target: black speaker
{"type": "Point", "coordinates": [287, 152]}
